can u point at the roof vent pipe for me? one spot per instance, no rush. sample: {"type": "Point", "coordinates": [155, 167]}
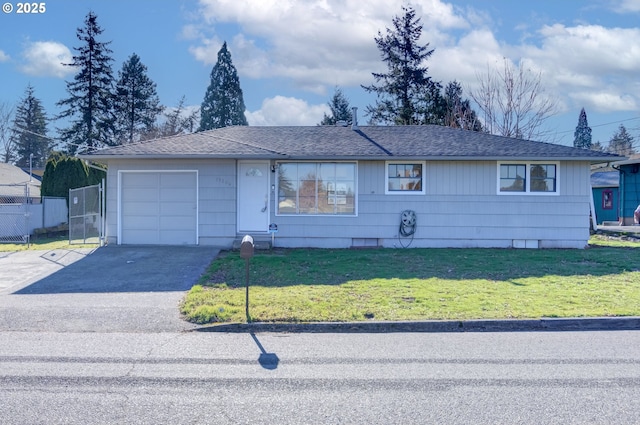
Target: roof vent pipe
{"type": "Point", "coordinates": [354, 119]}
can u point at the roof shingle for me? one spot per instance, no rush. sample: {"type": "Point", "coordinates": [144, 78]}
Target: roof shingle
{"type": "Point", "coordinates": [329, 142]}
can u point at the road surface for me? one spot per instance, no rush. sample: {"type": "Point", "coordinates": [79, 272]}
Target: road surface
{"type": "Point", "coordinates": [307, 378]}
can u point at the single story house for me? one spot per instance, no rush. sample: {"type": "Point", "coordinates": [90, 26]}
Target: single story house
{"type": "Point", "coordinates": [17, 186]}
{"type": "Point", "coordinates": [629, 188]}
{"type": "Point", "coordinates": [326, 186]}
{"type": "Point", "coordinates": [606, 197]}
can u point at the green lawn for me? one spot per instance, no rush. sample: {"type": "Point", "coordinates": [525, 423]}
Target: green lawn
{"type": "Point", "coordinates": [307, 285]}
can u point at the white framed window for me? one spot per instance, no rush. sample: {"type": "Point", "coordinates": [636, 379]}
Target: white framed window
{"type": "Point", "coordinates": [533, 178]}
{"type": "Point", "coordinates": [404, 177]}
{"type": "Point", "coordinates": [316, 188]}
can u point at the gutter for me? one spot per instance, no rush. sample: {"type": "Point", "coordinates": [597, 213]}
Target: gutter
{"type": "Point", "coordinates": [385, 154]}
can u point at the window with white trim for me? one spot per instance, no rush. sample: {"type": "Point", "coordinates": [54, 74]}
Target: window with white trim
{"type": "Point", "coordinates": [528, 177]}
{"type": "Point", "coordinates": [316, 188]}
{"type": "Point", "coordinates": [404, 177]}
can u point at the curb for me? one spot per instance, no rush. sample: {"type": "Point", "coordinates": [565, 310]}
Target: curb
{"type": "Point", "coordinates": [516, 325]}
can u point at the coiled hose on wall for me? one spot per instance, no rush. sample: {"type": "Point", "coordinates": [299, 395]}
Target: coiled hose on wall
{"type": "Point", "coordinates": [408, 223]}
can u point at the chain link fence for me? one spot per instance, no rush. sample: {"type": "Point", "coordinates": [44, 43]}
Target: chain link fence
{"type": "Point", "coordinates": [14, 213]}
{"type": "Point", "coordinates": [85, 215]}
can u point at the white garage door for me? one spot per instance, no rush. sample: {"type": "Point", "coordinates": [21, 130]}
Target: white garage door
{"type": "Point", "coordinates": [159, 208]}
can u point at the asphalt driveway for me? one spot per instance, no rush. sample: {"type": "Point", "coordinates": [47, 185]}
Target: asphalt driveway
{"type": "Point", "coordinates": [108, 289]}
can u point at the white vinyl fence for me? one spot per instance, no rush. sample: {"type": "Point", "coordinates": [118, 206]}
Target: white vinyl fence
{"type": "Point", "coordinates": [20, 215]}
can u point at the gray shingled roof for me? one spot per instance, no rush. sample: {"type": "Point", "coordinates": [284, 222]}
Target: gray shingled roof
{"type": "Point", "coordinates": [328, 142]}
{"type": "Point", "coordinates": [13, 179]}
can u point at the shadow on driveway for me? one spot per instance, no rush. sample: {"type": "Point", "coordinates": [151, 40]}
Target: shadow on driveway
{"type": "Point", "coordinates": [128, 269]}
{"type": "Point", "coordinates": [111, 289]}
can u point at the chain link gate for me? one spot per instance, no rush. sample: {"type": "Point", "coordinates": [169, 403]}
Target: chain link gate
{"type": "Point", "coordinates": [86, 215]}
{"type": "Point", "coordinates": [14, 213]}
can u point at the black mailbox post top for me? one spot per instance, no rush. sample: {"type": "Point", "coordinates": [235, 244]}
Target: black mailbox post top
{"type": "Point", "coordinates": [246, 247]}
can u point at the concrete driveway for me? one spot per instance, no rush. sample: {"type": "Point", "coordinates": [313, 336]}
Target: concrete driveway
{"type": "Point", "coordinates": [108, 289]}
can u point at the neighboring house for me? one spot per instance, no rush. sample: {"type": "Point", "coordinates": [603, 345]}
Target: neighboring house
{"type": "Point", "coordinates": [606, 197]}
{"type": "Point", "coordinates": [345, 187]}
{"type": "Point", "coordinates": [629, 188]}
{"type": "Point", "coordinates": [17, 186]}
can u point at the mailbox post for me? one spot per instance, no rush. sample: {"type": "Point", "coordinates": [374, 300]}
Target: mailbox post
{"type": "Point", "coordinates": [246, 252]}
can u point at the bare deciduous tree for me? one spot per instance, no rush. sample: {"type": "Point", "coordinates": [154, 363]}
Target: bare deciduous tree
{"type": "Point", "coordinates": [512, 102]}
{"type": "Point", "coordinates": [7, 142]}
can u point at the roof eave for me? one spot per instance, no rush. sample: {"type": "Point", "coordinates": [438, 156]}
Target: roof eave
{"type": "Point", "coordinates": [99, 157]}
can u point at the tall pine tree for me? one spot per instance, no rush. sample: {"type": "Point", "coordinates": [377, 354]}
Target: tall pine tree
{"type": "Point", "coordinates": [340, 110]}
{"type": "Point", "coordinates": [137, 105]}
{"type": "Point", "coordinates": [223, 104]}
{"type": "Point", "coordinates": [459, 113]}
{"type": "Point", "coordinates": [90, 103]}
{"type": "Point", "coordinates": [582, 135]}
{"type": "Point", "coordinates": [405, 94]}
{"type": "Point", "coordinates": [621, 143]}
{"type": "Point", "coordinates": [29, 131]}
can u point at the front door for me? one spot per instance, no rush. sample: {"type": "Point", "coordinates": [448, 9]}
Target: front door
{"type": "Point", "coordinates": [253, 196]}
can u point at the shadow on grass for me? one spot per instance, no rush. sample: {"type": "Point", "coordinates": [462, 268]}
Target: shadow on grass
{"type": "Point", "coordinates": [288, 267]}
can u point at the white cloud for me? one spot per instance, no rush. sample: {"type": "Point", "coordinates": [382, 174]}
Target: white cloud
{"type": "Point", "coordinates": [315, 43]}
{"type": "Point", "coordinates": [468, 58]}
{"type": "Point", "coordinates": [319, 44]}
{"type": "Point", "coordinates": [207, 51]}
{"type": "Point", "coordinates": [46, 58]}
{"type": "Point", "coordinates": [593, 65]}
{"type": "Point", "coordinates": [4, 57]}
{"type": "Point", "coordinates": [606, 101]}
{"type": "Point", "coordinates": [626, 6]}
{"type": "Point", "coordinates": [281, 110]}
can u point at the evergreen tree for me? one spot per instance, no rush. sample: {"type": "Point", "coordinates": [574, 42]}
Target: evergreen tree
{"type": "Point", "coordinates": [29, 131]}
{"type": "Point", "coordinates": [137, 105]}
{"type": "Point", "coordinates": [340, 110]}
{"type": "Point", "coordinates": [459, 113]}
{"type": "Point", "coordinates": [63, 172]}
{"type": "Point", "coordinates": [90, 101]}
{"type": "Point", "coordinates": [582, 135]}
{"type": "Point", "coordinates": [223, 104]}
{"type": "Point", "coordinates": [405, 94]}
{"type": "Point", "coordinates": [432, 106]}
{"type": "Point", "coordinates": [621, 143]}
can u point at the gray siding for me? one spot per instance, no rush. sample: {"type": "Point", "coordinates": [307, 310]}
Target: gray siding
{"type": "Point", "coordinates": [461, 208]}
{"type": "Point", "coordinates": [216, 195]}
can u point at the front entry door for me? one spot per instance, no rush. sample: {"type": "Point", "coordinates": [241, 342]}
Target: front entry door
{"type": "Point", "coordinates": [253, 196]}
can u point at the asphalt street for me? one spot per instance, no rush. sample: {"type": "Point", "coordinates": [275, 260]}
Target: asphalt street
{"type": "Point", "coordinates": [306, 378]}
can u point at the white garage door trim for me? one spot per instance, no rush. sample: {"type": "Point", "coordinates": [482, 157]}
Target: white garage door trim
{"type": "Point", "coordinates": [191, 203]}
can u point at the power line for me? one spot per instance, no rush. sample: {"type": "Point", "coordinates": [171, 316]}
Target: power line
{"type": "Point", "coordinates": [57, 141]}
{"type": "Point", "coordinates": [602, 125]}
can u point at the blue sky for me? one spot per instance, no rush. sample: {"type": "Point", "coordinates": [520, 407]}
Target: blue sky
{"type": "Point", "coordinates": [290, 54]}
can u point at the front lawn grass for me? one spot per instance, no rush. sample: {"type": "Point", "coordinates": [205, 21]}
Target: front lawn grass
{"type": "Point", "coordinates": [310, 285]}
